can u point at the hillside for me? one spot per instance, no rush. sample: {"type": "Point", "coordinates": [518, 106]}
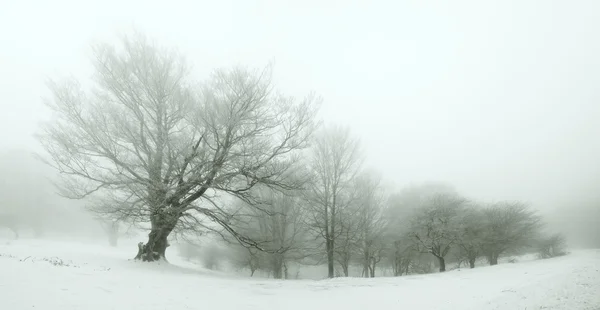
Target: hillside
{"type": "Point", "coordinates": [37, 274]}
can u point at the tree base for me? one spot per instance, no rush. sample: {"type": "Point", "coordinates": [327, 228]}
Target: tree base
{"type": "Point", "coordinates": [145, 255]}
{"type": "Point", "coordinates": [155, 248]}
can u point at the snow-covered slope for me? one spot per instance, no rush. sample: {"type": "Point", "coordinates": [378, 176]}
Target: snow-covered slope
{"type": "Point", "coordinates": [37, 274]}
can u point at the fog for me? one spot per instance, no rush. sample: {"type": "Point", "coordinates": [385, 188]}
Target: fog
{"type": "Point", "coordinates": [497, 98]}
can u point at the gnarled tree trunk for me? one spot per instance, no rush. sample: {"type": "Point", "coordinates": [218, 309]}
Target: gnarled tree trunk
{"type": "Point", "coordinates": [163, 224]}
{"type": "Point", "coordinates": [155, 248]}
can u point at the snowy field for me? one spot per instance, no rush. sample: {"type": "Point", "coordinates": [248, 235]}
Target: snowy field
{"type": "Point", "coordinates": [52, 275]}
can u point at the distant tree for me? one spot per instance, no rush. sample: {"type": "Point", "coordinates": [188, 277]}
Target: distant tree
{"type": "Point", "coordinates": [370, 222]}
{"type": "Point", "coordinates": [212, 255]}
{"type": "Point", "coordinates": [508, 226]}
{"type": "Point", "coordinates": [250, 258]}
{"type": "Point", "coordinates": [346, 234]}
{"type": "Point", "coordinates": [435, 228]}
{"type": "Point", "coordinates": [277, 224]}
{"type": "Point", "coordinates": [336, 160]}
{"type": "Point", "coordinates": [415, 196]}
{"type": "Point", "coordinates": [145, 130]}
{"type": "Point", "coordinates": [190, 251]}
{"type": "Point", "coordinates": [112, 223]}
{"type": "Point", "coordinates": [403, 205]}
{"type": "Point", "coordinates": [470, 234]}
{"type": "Point", "coordinates": [112, 229]}
{"type": "Point", "coordinates": [551, 246]}
{"type": "Point", "coordinates": [403, 254]}
{"type": "Point", "coordinates": [25, 200]}
{"type": "Point", "coordinates": [10, 221]}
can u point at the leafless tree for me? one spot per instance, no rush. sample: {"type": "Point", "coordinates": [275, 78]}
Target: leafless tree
{"type": "Point", "coordinates": [25, 201]}
{"type": "Point", "coordinates": [508, 226]}
{"type": "Point", "coordinates": [105, 211]}
{"type": "Point", "coordinates": [277, 223]}
{"type": "Point", "coordinates": [346, 233]}
{"type": "Point", "coordinates": [250, 258]}
{"type": "Point", "coordinates": [370, 221]}
{"type": "Point", "coordinates": [168, 146]}
{"type": "Point", "coordinates": [551, 246]}
{"type": "Point", "coordinates": [402, 255]}
{"type": "Point", "coordinates": [435, 227]}
{"type": "Point", "coordinates": [112, 229]}
{"type": "Point", "coordinates": [470, 234]}
{"type": "Point", "coordinates": [336, 160]}
{"type": "Point", "coordinates": [402, 207]}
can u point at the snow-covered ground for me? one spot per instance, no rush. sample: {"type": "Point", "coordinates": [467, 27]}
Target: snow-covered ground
{"type": "Point", "coordinates": [52, 275]}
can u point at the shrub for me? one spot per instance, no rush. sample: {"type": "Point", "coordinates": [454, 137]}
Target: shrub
{"type": "Point", "coordinates": [552, 246]}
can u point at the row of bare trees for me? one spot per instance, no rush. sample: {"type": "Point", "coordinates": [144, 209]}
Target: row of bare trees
{"type": "Point", "coordinates": [407, 232]}
{"type": "Point", "coordinates": [147, 145]}
{"type": "Point", "coordinates": [451, 224]}
{"type": "Point", "coordinates": [344, 217]}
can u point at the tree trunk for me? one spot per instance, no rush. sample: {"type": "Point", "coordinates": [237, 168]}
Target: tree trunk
{"type": "Point", "coordinates": [344, 261]}
{"type": "Point", "coordinates": [493, 260]}
{"type": "Point", "coordinates": [331, 236]}
{"type": "Point", "coordinates": [472, 262]}
{"type": "Point", "coordinates": [330, 262]}
{"type": "Point", "coordinates": [162, 224]}
{"type": "Point", "coordinates": [442, 263]}
{"type": "Point", "coordinates": [397, 268]}
{"type": "Point", "coordinates": [157, 244]}
{"type": "Point", "coordinates": [277, 266]}
{"type": "Point", "coordinates": [492, 257]}
{"type": "Point", "coordinates": [345, 268]}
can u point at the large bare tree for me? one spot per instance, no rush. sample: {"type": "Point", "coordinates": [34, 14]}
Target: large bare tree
{"type": "Point", "coordinates": [168, 146]}
{"type": "Point", "coordinates": [336, 160]}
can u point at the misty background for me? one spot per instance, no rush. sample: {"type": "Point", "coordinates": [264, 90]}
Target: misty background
{"type": "Point", "coordinates": [496, 98]}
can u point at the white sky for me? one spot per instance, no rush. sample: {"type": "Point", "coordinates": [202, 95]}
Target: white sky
{"type": "Point", "coordinates": [499, 98]}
